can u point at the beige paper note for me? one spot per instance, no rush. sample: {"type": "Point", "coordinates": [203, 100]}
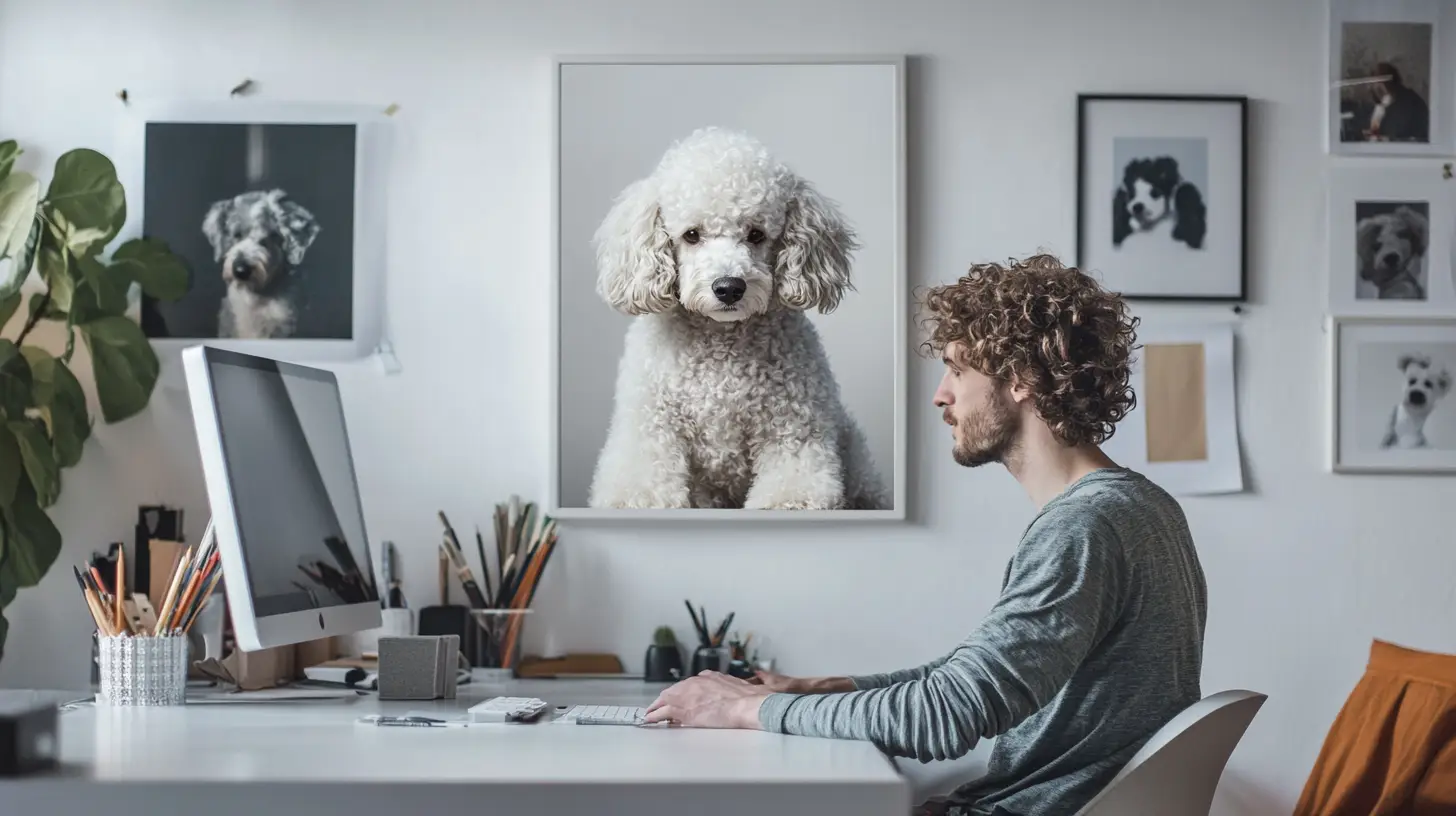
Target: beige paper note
{"type": "Point", "coordinates": [1173, 388]}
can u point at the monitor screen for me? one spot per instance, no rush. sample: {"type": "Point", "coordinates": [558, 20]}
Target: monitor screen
{"type": "Point", "coordinates": [293, 486]}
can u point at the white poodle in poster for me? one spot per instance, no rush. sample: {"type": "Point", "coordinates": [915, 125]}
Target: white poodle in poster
{"type": "Point", "coordinates": [724, 395]}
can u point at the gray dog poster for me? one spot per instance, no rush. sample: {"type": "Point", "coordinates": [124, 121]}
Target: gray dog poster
{"type": "Point", "coordinates": [264, 216]}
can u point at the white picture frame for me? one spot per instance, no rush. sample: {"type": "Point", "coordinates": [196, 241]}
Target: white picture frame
{"type": "Point", "coordinates": [881, 86]}
{"type": "Point", "coordinates": [1376, 365]}
{"type": "Point", "coordinates": [368, 222]}
{"type": "Point", "coordinates": [1392, 240]}
{"type": "Point", "coordinates": [1418, 38]}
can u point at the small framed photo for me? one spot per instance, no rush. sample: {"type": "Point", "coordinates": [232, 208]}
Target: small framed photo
{"type": "Point", "coordinates": [1162, 195]}
{"type": "Point", "coordinates": [278, 212]}
{"type": "Point", "coordinates": [1391, 77]}
{"type": "Point", "coordinates": [729, 336]}
{"type": "Point", "coordinates": [1393, 410]}
{"type": "Point", "coordinates": [1391, 243]}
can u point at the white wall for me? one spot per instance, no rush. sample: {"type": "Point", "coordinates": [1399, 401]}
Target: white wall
{"type": "Point", "coordinates": [1303, 571]}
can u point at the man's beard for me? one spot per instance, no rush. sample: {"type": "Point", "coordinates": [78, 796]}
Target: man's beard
{"type": "Point", "coordinates": [989, 436]}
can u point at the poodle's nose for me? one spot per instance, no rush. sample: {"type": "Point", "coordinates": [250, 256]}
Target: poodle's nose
{"type": "Point", "coordinates": [1390, 259]}
{"type": "Point", "coordinates": [242, 272]}
{"type": "Point", "coordinates": [1418, 398]}
{"type": "Point", "coordinates": [1138, 208]}
{"type": "Point", "coordinates": [729, 290]}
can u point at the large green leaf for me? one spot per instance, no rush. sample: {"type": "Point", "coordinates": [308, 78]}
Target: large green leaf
{"type": "Point", "coordinates": [53, 260]}
{"type": "Point", "coordinates": [9, 150]}
{"type": "Point", "coordinates": [35, 542]}
{"type": "Point", "coordinates": [10, 467]}
{"type": "Point", "coordinates": [101, 291]}
{"type": "Point", "coordinates": [149, 262]}
{"type": "Point", "coordinates": [9, 304]}
{"type": "Point", "coordinates": [19, 196]}
{"type": "Point", "coordinates": [39, 459]}
{"type": "Point", "coordinates": [21, 264]}
{"type": "Point", "coordinates": [86, 201]}
{"type": "Point", "coordinates": [4, 631]}
{"type": "Point", "coordinates": [126, 366]}
{"type": "Point", "coordinates": [70, 420]}
{"type": "Point", "coordinates": [42, 375]}
{"type": "Point", "coordinates": [14, 381]}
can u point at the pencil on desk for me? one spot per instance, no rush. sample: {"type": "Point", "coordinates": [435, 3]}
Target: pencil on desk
{"type": "Point", "coordinates": [172, 587]}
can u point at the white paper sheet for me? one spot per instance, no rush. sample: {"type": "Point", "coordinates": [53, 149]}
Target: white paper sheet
{"type": "Point", "coordinates": [1222, 471]}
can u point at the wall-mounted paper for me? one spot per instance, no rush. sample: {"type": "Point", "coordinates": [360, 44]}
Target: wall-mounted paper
{"type": "Point", "coordinates": [1183, 434]}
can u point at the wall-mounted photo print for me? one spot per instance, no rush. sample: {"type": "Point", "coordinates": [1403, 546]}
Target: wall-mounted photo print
{"type": "Point", "coordinates": [1391, 243]}
{"type": "Point", "coordinates": [1390, 77]}
{"type": "Point", "coordinates": [730, 290]}
{"type": "Point", "coordinates": [1161, 195]}
{"type": "Point", "coordinates": [1393, 407]}
{"type": "Point", "coordinates": [279, 213]}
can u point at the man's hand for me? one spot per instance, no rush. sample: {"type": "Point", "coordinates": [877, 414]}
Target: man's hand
{"type": "Point", "coordinates": [709, 700]}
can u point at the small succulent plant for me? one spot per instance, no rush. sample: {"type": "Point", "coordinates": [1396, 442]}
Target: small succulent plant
{"type": "Point", "coordinates": [664, 637]}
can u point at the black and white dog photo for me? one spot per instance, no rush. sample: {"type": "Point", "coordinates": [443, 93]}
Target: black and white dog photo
{"type": "Point", "coordinates": [1154, 199]}
{"type": "Point", "coordinates": [1391, 240]}
{"type": "Point", "coordinates": [264, 217]}
{"type": "Point", "coordinates": [260, 238]}
{"type": "Point", "coordinates": [1423, 385]}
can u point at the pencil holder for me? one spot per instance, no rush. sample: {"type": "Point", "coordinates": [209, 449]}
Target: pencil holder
{"type": "Point", "coordinates": [499, 640]}
{"type": "Point", "coordinates": [143, 670]}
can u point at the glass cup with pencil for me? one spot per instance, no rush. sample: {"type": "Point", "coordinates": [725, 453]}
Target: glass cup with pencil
{"type": "Point", "coordinates": [143, 653]}
{"type": "Point", "coordinates": [525, 538]}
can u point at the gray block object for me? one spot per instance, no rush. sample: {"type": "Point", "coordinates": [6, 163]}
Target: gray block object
{"type": "Point", "coordinates": [418, 667]}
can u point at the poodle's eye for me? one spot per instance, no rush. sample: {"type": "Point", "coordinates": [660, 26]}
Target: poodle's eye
{"type": "Point", "coordinates": [691, 236]}
{"type": "Point", "coordinates": [1412, 380]}
{"type": "Point", "coordinates": [755, 236]}
{"type": "Point", "coordinates": [1157, 194]}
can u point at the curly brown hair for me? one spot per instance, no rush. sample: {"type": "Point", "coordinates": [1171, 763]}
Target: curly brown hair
{"type": "Point", "coordinates": [1049, 327]}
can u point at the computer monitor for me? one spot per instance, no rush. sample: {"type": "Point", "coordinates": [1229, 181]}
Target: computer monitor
{"type": "Point", "coordinates": [285, 500]}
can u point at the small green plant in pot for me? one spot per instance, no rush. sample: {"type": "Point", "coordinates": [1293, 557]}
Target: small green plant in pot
{"type": "Point", "coordinates": [664, 662]}
{"type": "Point", "coordinates": [44, 420]}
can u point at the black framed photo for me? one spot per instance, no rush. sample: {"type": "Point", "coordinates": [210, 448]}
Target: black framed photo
{"type": "Point", "coordinates": [1162, 195]}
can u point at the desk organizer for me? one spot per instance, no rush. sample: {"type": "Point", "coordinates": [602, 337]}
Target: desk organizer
{"type": "Point", "coordinates": [143, 670]}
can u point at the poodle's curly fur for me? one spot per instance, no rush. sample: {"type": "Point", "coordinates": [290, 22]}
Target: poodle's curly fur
{"type": "Point", "coordinates": [724, 395]}
{"type": "Point", "coordinates": [1046, 326]}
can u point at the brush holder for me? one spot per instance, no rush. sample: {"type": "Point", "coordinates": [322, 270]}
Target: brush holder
{"type": "Point", "coordinates": [141, 670]}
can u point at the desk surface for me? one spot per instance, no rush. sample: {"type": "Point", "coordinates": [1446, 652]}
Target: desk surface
{"type": "Point", "coordinates": [318, 753]}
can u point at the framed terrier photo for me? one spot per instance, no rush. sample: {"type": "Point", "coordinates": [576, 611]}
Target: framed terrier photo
{"type": "Point", "coordinates": [1392, 410]}
{"type": "Point", "coordinates": [278, 211]}
{"type": "Point", "coordinates": [1392, 82]}
{"type": "Point", "coordinates": [1391, 240]}
{"type": "Point", "coordinates": [729, 306]}
{"type": "Point", "coordinates": [1162, 190]}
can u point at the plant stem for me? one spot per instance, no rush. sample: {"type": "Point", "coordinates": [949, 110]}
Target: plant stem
{"type": "Point", "coordinates": [45, 300]}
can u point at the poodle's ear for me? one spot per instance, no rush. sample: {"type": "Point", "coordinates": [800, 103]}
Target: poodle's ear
{"type": "Point", "coordinates": [1121, 218]}
{"type": "Point", "coordinates": [813, 259]}
{"type": "Point", "coordinates": [1192, 216]}
{"type": "Point", "coordinates": [1443, 382]}
{"type": "Point", "coordinates": [213, 224]}
{"type": "Point", "coordinates": [636, 270]}
{"type": "Point", "coordinates": [295, 224]}
{"type": "Point", "coordinates": [1419, 227]}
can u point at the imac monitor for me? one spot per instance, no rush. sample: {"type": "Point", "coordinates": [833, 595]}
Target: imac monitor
{"type": "Point", "coordinates": [285, 501]}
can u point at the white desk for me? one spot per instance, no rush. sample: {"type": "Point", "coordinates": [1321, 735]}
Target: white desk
{"type": "Point", "coordinates": [284, 758]}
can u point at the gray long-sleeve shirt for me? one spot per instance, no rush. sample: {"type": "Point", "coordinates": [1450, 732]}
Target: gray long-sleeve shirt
{"type": "Point", "coordinates": [1095, 643]}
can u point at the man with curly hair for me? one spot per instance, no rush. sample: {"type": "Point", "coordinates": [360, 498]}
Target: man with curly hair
{"type": "Point", "coordinates": [1097, 638]}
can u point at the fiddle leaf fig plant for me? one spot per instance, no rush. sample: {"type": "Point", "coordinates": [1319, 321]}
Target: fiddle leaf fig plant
{"type": "Point", "coordinates": [57, 239]}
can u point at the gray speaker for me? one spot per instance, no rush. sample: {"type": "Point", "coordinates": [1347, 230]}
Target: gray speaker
{"type": "Point", "coordinates": [418, 667]}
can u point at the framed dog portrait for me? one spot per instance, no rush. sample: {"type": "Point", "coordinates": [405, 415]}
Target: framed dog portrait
{"type": "Point", "coordinates": [1391, 246]}
{"type": "Point", "coordinates": [1393, 410]}
{"type": "Point", "coordinates": [1162, 195]}
{"type": "Point", "coordinates": [1392, 82]}
{"type": "Point", "coordinates": [729, 321]}
{"type": "Point", "coordinates": [278, 212]}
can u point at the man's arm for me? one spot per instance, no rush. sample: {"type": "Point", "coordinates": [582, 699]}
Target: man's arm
{"type": "Point", "coordinates": [830, 685]}
{"type": "Point", "coordinates": [1062, 595]}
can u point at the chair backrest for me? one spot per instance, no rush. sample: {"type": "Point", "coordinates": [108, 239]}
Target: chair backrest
{"type": "Point", "coordinates": [1177, 770]}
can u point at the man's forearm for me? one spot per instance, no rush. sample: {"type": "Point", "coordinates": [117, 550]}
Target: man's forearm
{"type": "Point", "coordinates": [821, 685]}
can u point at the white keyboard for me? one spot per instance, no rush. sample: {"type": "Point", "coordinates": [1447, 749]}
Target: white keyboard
{"type": "Point", "coordinates": [605, 715]}
{"type": "Point", "coordinates": [507, 709]}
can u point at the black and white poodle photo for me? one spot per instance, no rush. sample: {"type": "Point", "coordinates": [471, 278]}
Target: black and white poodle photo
{"type": "Point", "coordinates": [1155, 199]}
{"type": "Point", "coordinates": [260, 238]}
{"type": "Point", "coordinates": [1423, 384]}
{"type": "Point", "coordinates": [1390, 252]}
{"type": "Point", "coordinates": [725, 397]}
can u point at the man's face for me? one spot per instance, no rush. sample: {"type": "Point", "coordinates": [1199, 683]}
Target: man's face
{"type": "Point", "coordinates": [983, 416]}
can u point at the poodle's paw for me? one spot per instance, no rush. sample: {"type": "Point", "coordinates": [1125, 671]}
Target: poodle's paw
{"type": "Point", "coordinates": [796, 497]}
{"type": "Point", "coordinates": [799, 503]}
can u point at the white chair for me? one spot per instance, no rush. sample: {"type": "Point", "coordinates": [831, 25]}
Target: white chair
{"type": "Point", "coordinates": [1177, 770]}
